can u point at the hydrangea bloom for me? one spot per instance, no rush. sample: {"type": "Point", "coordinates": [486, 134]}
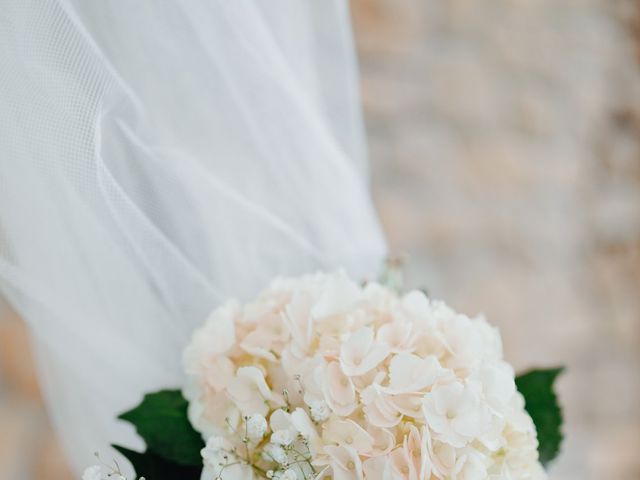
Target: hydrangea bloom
{"type": "Point", "coordinates": [320, 377]}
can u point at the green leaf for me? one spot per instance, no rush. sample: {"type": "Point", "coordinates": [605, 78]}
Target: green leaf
{"type": "Point", "coordinates": [153, 467]}
{"type": "Point", "coordinates": [161, 420]}
{"type": "Point", "coordinates": [542, 404]}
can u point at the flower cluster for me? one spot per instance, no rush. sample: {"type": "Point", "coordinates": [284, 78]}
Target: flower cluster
{"type": "Point", "coordinates": [320, 377]}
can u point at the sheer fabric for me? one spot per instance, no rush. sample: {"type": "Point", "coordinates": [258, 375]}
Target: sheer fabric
{"type": "Point", "coordinates": [156, 158]}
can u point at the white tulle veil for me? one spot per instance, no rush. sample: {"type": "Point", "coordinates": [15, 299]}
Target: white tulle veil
{"type": "Point", "coordinates": [157, 157]}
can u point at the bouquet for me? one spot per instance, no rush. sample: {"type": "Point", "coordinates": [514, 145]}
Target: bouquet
{"type": "Point", "coordinates": [323, 378]}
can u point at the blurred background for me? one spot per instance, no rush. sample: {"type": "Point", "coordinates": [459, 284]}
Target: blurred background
{"type": "Point", "coordinates": [504, 138]}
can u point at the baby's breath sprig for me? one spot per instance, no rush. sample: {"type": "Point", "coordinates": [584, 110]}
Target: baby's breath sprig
{"type": "Point", "coordinates": [95, 472]}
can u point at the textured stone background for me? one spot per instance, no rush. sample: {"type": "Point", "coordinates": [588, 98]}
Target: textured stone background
{"type": "Point", "coordinates": [505, 146]}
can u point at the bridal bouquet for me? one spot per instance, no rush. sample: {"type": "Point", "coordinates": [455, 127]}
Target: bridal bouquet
{"type": "Point", "coordinates": [322, 378]}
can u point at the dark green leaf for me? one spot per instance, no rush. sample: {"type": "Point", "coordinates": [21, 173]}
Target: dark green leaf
{"type": "Point", "coordinates": [542, 404]}
{"type": "Point", "coordinates": [153, 467]}
{"type": "Point", "coordinates": [161, 420]}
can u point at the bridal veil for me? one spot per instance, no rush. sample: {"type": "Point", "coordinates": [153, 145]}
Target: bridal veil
{"type": "Point", "coordinates": [157, 157]}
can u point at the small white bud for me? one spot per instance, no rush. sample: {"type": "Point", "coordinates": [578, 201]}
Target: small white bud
{"type": "Point", "coordinates": [256, 427]}
{"type": "Point", "coordinates": [213, 452]}
{"type": "Point", "coordinates": [283, 437]}
{"type": "Point", "coordinates": [319, 410]}
{"type": "Point", "coordinates": [92, 473]}
{"type": "Point", "coordinates": [274, 453]}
